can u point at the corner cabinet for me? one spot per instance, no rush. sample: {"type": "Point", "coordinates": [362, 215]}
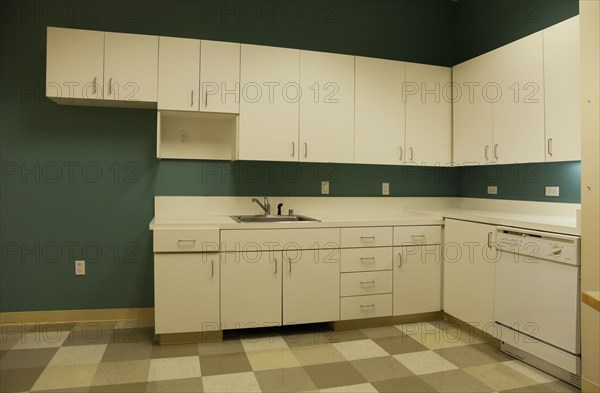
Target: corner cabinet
{"type": "Point", "coordinates": [269, 107]}
{"type": "Point", "coordinates": [428, 96]}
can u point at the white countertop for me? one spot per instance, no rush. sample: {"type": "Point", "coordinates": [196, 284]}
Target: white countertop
{"type": "Point", "coordinates": [547, 223]}
{"type": "Point", "coordinates": [226, 222]}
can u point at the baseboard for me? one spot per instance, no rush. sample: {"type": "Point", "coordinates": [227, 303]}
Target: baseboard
{"type": "Point", "coordinates": [190, 338]}
{"type": "Point", "coordinates": [76, 316]}
{"type": "Point", "coordinates": [588, 386]}
{"type": "Point", "coordinates": [385, 321]}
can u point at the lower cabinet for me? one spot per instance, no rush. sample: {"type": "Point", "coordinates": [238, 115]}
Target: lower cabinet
{"type": "Point", "coordinates": [251, 289]}
{"type": "Point", "coordinates": [186, 292]}
{"type": "Point", "coordinates": [417, 279]}
{"type": "Point", "coordinates": [469, 272]}
{"type": "Point", "coordinates": [311, 286]}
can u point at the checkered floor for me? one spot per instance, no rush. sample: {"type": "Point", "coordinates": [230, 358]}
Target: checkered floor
{"type": "Point", "coordinates": [423, 357]}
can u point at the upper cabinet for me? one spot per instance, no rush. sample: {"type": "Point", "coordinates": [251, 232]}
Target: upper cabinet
{"type": "Point", "coordinates": [178, 74]}
{"type": "Point", "coordinates": [379, 112]}
{"type": "Point", "coordinates": [518, 121]}
{"type": "Point", "coordinates": [220, 77]}
{"type": "Point", "coordinates": [473, 112]}
{"type": "Point", "coordinates": [74, 64]}
{"type": "Point", "coordinates": [562, 88]}
{"type": "Point", "coordinates": [428, 93]}
{"type": "Point", "coordinates": [326, 107]}
{"type": "Point", "coordinates": [130, 67]}
{"type": "Point", "coordinates": [269, 106]}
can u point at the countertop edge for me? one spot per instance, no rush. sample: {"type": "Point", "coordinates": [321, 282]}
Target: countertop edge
{"type": "Point", "coordinates": [592, 299]}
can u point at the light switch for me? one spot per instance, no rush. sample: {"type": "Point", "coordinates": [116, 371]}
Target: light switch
{"type": "Point", "coordinates": [492, 190]}
{"type": "Point", "coordinates": [552, 191]}
{"type": "Point", "coordinates": [325, 187]}
{"type": "Point", "coordinates": [385, 188]}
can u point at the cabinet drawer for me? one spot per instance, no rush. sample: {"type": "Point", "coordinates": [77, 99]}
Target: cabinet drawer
{"type": "Point", "coordinates": [367, 237]}
{"type": "Point", "coordinates": [366, 259]}
{"type": "Point", "coordinates": [366, 283]}
{"type": "Point", "coordinates": [186, 240]}
{"type": "Point", "coordinates": [371, 306]}
{"type": "Point", "coordinates": [280, 239]}
{"type": "Point", "coordinates": [404, 236]}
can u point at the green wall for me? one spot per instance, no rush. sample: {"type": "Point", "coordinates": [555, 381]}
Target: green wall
{"type": "Point", "coordinates": [78, 182]}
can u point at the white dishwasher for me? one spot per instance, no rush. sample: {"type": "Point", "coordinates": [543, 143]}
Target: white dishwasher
{"type": "Point", "coordinates": [537, 300]}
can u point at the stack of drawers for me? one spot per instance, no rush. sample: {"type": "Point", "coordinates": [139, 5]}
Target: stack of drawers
{"type": "Point", "coordinates": [366, 272]}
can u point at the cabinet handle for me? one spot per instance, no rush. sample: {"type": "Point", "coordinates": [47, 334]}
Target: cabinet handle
{"type": "Point", "coordinates": [363, 259]}
{"type": "Point", "coordinates": [412, 154]}
{"type": "Point", "coordinates": [110, 86]}
{"type": "Point", "coordinates": [212, 268]}
{"type": "Point", "coordinates": [188, 243]}
{"type": "Point", "coordinates": [363, 306]}
{"type": "Point", "coordinates": [422, 237]}
{"type": "Point", "coordinates": [293, 148]}
{"type": "Point", "coordinates": [487, 152]}
{"type": "Point", "coordinates": [290, 263]}
{"type": "Point", "coordinates": [192, 98]}
{"type": "Point", "coordinates": [364, 238]}
{"type": "Point", "coordinates": [400, 158]}
{"type": "Point", "coordinates": [275, 266]}
{"type": "Point", "coordinates": [95, 90]}
{"type": "Point", "coordinates": [400, 259]}
{"type": "Point", "coordinates": [367, 283]}
{"type": "Point", "coordinates": [206, 98]}
{"type": "Point", "coordinates": [496, 151]}
{"type": "Point", "coordinates": [305, 149]}
{"type": "Point", "coordinates": [549, 146]}
{"type": "Point", "coordinates": [489, 240]}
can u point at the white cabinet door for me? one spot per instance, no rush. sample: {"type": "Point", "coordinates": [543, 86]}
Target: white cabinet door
{"type": "Point", "coordinates": [518, 123]}
{"type": "Point", "coordinates": [417, 279]}
{"type": "Point", "coordinates": [562, 91]}
{"type": "Point", "coordinates": [269, 107]}
{"type": "Point", "coordinates": [220, 76]}
{"type": "Point", "coordinates": [428, 93]}
{"type": "Point", "coordinates": [250, 289]}
{"type": "Point", "coordinates": [178, 74]}
{"type": "Point", "coordinates": [130, 67]}
{"type": "Point", "coordinates": [186, 292]}
{"type": "Point", "coordinates": [311, 286]}
{"type": "Point", "coordinates": [326, 107]}
{"type": "Point", "coordinates": [469, 272]}
{"type": "Point", "coordinates": [379, 111]}
{"type": "Point", "coordinates": [74, 63]}
{"type": "Point", "coordinates": [473, 112]}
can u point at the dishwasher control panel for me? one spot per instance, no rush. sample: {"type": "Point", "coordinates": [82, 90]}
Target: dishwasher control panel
{"type": "Point", "coordinates": [538, 245]}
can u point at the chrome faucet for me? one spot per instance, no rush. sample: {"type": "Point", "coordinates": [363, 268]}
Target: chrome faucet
{"type": "Point", "coordinates": [266, 206]}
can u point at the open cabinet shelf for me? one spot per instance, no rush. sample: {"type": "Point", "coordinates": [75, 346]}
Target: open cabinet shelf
{"type": "Point", "coordinates": [196, 135]}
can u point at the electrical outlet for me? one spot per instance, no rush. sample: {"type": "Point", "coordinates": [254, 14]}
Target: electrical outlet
{"type": "Point", "coordinates": [385, 188]}
{"type": "Point", "coordinates": [325, 187]}
{"type": "Point", "coordinates": [80, 268]}
{"type": "Point", "coordinates": [552, 191]}
{"type": "Point", "coordinates": [492, 190]}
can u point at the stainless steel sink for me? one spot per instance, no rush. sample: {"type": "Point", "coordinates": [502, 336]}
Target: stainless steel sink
{"type": "Point", "coordinates": [266, 218]}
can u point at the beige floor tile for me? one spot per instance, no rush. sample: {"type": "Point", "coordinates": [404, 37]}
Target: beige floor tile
{"type": "Point", "coordinates": [122, 352]}
{"type": "Point", "coordinates": [231, 383]}
{"type": "Point", "coordinates": [220, 347]}
{"type": "Point", "coordinates": [561, 387]}
{"type": "Point", "coordinates": [332, 375]}
{"type": "Point", "coordinates": [424, 362]}
{"type": "Point", "coordinates": [263, 343]}
{"type": "Point", "coordinates": [113, 373]}
{"type": "Point", "coordinates": [499, 376]}
{"type": "Point", "coordinates": [379, 369]}
{"type": "Point", "coordinates": [401, 343]}
{"type": "Point", "coordinates": [343, 336]}
{"type": "Point", "coordinates": [379, 332]}
{"type": "Point", "coordinates": [529, 371]}
{"type": "Point", "coordinates": [25, 358]}
{"type": "Point", "coordinates": [138, 387]}
{"type": "Point", "coordinates": [72, 376]}
{"type": "Point", "coordinates": [411, 384]}
{"type": "Point", "coordinates": [284, 380]}
{"type": "Point", "coordinates": [360, 388]}
{"type": "Point", "coordinates": [433, 338]}
{"type": "Point", "coordinates": [19, 379]}
{"type": "Point", "coordinates": [174, 351]}
{"type": "Point", "coordinates": [361, 349]}
{"type": "Point", "coordinates": [465, 356]}
{"type": "Point", "coordinates": [176, 386]}
{"type": "Point", "coordinates": [81, 354]}
{"type": "Point", "coordinates": [44, 339]}
{"type": "Point", "coordinates": [272, 359]}
{"type": "Point", "coordinates": [317, 354]}
{"type": "Point", "coordinates": [229, 363]}
{"type": "Point", "coordinates": [455, 381]}
{"type": "Point", "coordinates": [174, 368]}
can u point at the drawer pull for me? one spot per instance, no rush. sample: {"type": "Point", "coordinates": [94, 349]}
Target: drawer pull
{"type": "Point", "coordinates": [400, 258]}
{"type": "Point", "coordinates": [212, 268]}
{"type": "Point", "coordinates": [363, 306]}
{"type": "Point", "coordinates": [187, 243]}
{"type": "Point", "coordinates": [365, 238]}
{"type": "Point", "coordinates": [367, 259]}
{"type": "Point", "coordinates": [420, 238]}
{"type": "Point", "coordinates": [290, 265]}
{"type": "Point", "coordinates": [363, 283]}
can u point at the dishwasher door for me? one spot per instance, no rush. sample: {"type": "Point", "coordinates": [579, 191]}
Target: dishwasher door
{"type": "Point", "coordinates": [536, 296]}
